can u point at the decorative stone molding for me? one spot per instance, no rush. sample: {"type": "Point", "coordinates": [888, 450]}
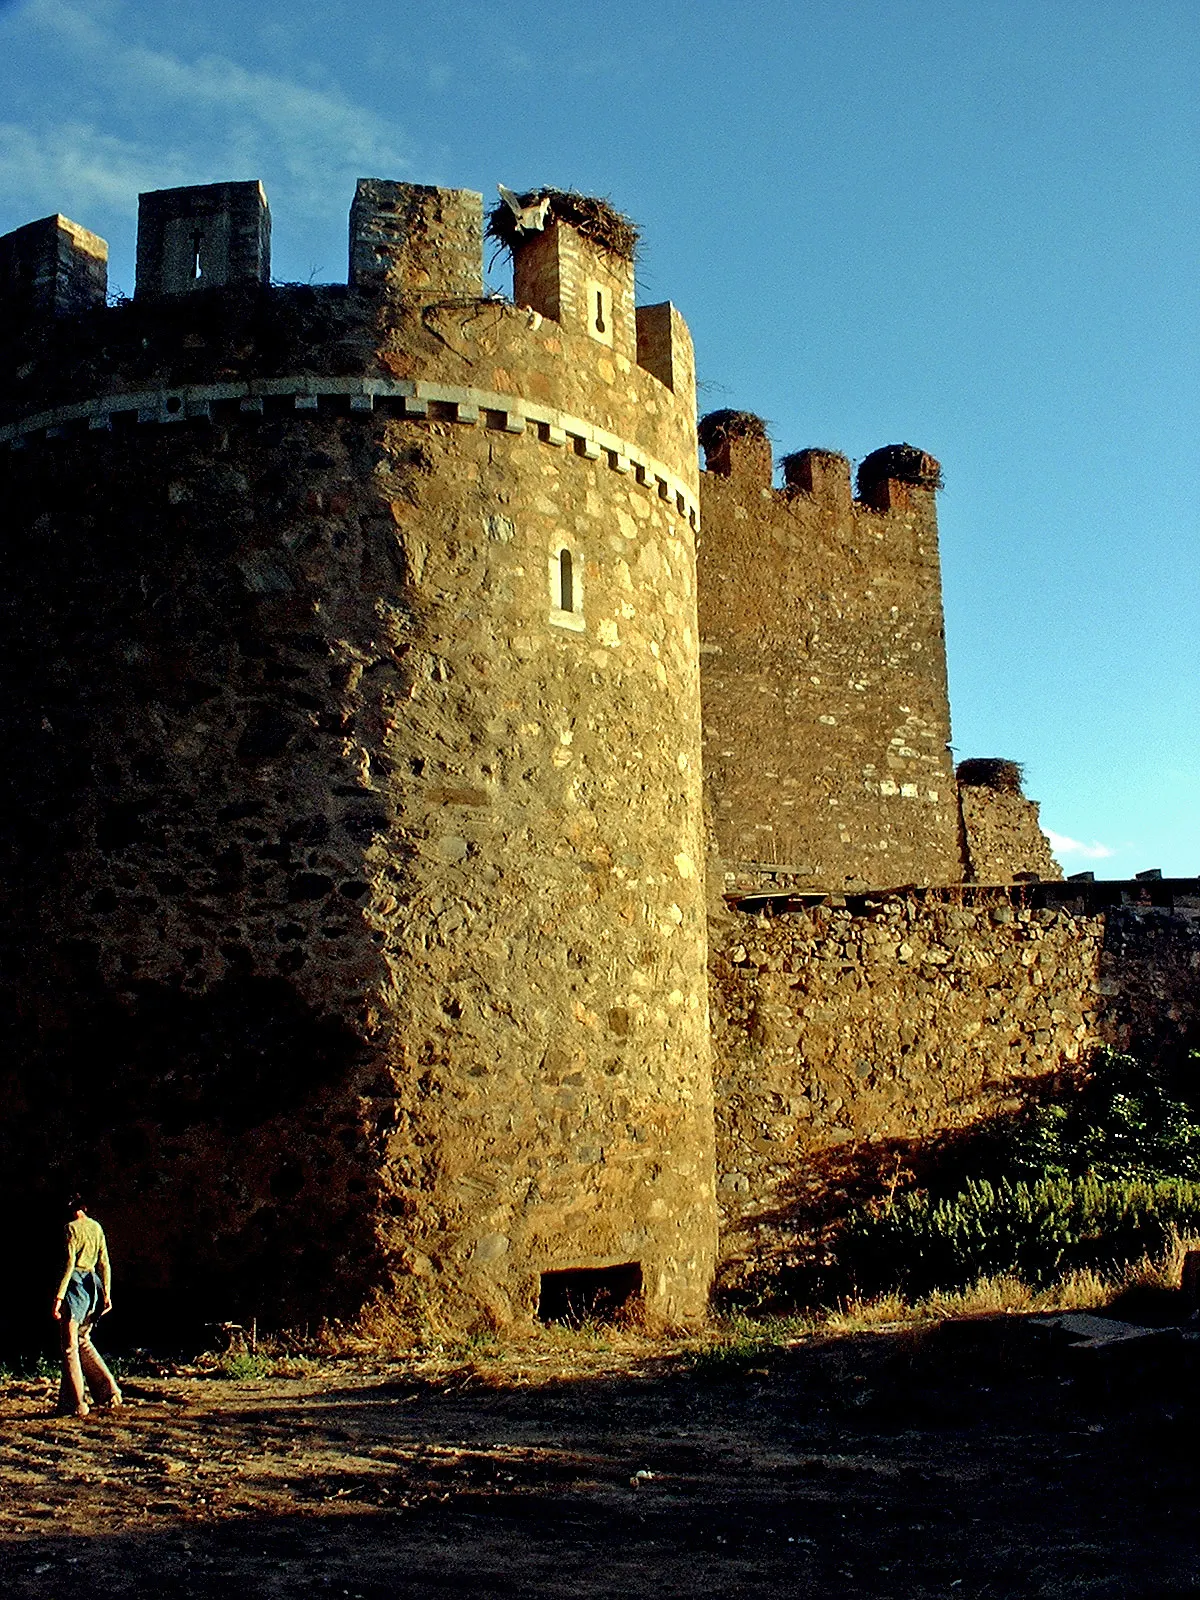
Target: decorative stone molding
{"type": "Point", "coordinates": [398, 396]}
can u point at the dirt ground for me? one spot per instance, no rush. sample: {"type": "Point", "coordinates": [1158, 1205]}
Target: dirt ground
{"type": "Point", "coordinates": [962, 1460]}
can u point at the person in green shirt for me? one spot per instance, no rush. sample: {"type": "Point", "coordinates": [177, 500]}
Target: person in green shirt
{"type": "Point", "coordinates": [84, 1294]}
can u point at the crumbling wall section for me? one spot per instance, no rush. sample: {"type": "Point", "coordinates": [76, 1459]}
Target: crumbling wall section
{"type": "Point", "coordinates": [1002, 839]}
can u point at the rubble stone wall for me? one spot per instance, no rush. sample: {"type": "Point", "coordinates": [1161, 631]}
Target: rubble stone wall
{"type": "Point", "coordinates": [826, 716]}
{"type": "Point", "coordinates": [840, 1035]}
{"type": "Point", "coordinates": [1002, 836]}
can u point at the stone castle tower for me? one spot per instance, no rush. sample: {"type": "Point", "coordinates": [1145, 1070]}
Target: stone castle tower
{"type": "Point", "coordinates": [823, 671]}
{"type": "Point", "coordinates": [353, 840]}
{"type": "Point", "coordinates": [826, 713]}
{"type": "Point", "coordinates": [354, 926]}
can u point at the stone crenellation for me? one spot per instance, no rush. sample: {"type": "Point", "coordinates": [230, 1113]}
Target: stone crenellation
{"type": "Point", "coordinates": [826, 712]}
{"type": "Point", "coordinates": [392, 711]}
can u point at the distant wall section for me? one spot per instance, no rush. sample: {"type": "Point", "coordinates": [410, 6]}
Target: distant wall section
{"type": "Point", "coordinates": [823, 670]}
{"type": "Point", "coordinates": [844, 1033]}
{"type": "Point", "coordinates": [1002, 839]}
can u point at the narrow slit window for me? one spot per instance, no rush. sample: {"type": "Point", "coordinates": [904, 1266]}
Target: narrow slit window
{"type": "Point", "coordinates": [598, 310]}
{"type": "Point", "coordinates": [197, 269]}
{"type": "Point", "coordinates": [565, 584]}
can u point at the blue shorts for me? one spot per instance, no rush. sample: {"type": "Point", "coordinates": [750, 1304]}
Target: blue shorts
{"type": "Point", "coordinates": [82, 1299]}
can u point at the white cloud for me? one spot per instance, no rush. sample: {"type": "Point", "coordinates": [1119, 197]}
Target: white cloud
{"type": "Point", "coordinates": [211, 119]}
{"type": "Point", "coordinates": [71, 167]}
{"type": "Point", "coordinates": [1062, 845]}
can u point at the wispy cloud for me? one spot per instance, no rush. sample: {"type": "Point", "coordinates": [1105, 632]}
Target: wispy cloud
{"type": "Point", "coordinates": [207, 117]}
{"type": "Point", "coordinates": [1063, 845]}
{"type": "Point", "coordinates": [74, 165]}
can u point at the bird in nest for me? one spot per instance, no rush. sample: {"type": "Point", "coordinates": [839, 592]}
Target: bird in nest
{"type": "Point", "coordinates": [529, 218]}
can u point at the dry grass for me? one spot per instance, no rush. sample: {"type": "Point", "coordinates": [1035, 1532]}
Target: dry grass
{"type": "Point", "coordinates": [535, 1354]}
{"type": "Point", "coordinates": [1084, 1290]}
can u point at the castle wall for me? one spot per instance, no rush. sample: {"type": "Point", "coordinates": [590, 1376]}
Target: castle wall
{"type": "Point", "coordinates": [354, 925]}
{"type": "Point", "coordinates": [352, 918]}
{"type": "Point", "coordinates": [850, 1040]}
{"type": "Point", "coordinates": [1002, 836]}
{"type": "Point", "coordinates": [826, 717]}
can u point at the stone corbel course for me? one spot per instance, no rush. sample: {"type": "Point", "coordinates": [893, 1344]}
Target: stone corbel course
{"type": "Point", "coordinates": [403, 397]}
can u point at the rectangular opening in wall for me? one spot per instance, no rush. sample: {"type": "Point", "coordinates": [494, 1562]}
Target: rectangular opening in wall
{"type": "Point", "coordinates": [590, 1294]}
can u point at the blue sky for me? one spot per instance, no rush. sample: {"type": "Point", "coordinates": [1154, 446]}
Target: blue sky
{"type": "Point", "coordinates": [970, 226]}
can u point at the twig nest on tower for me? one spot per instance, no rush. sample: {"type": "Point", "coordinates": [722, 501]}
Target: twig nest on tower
{"type": "Point", "coordinates": [991, 772]}
{"type": "Point", "coordinates": [795, 460]}
{"type": "Point", "coordinates": [903, 463]}
{"type": "Point", "coordinates": [718, 427]}
{"type": "Point", "coordinates": [595, 219]}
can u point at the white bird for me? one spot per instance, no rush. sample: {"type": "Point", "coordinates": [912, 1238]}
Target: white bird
{"type": "Point", "coordinates": [530, 219]}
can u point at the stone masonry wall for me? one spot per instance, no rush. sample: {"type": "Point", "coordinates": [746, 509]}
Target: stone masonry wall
{"type": "Point", "coordinates": [353, 926]}
{"type": "Point", "coordinates": [847, 1041]}
{"type": "Point", "coordinates": [1002, 836]}
{"type": "Point", "coordinates": [826, 717]}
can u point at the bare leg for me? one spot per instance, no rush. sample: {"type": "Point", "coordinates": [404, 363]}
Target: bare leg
{"type": "Point", "coordinates": [71, 1400]}
{"type": "Point", "coordinates": [99, 1379]}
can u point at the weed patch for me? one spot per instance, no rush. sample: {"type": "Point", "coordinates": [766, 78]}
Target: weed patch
{"type": "Point", "coordinates": [1034, 1232]}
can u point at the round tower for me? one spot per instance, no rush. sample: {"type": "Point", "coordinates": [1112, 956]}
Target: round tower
{"type": "Point", "coordinates": [354, 925]}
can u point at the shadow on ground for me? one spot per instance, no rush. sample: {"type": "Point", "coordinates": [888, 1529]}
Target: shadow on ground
{"type": "Point", "coordinates": [961, 1461]}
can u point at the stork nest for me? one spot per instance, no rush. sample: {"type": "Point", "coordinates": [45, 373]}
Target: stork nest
{"type": "Point", "coordinates": [990, 772]}
{"type": "Point", "coordinates": [902, 462]}
{"type": "Point", "coordinates": [795, 459]}
{"type": "Point", "coordinates": [718, 426]}
{"type": "Point", "coordinates": [594, 219]}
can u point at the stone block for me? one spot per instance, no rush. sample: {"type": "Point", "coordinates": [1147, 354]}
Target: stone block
{"type": "Point", "coordinates": [824, 474]}
{"type": "Point", "coordinates": [416, 239]}
{"type": "Point", "coordinates": [664, 347]}
{"type": "Point", "coordinates": [206, 236]}
{"type": "Point", "coordinates": [576, 282]}
{"type": "Point", "coordinates": [51, 268]}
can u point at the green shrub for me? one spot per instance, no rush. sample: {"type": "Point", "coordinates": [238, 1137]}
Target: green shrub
{"type": "Point", "coordinates": [26, 1367]}
{"type": "Point", "coordinates": [243, 1365]}
{"type": "Point", "coordinates": [1127, 1118]}
{"type": "Point", "coordinates": [1036, 1231]}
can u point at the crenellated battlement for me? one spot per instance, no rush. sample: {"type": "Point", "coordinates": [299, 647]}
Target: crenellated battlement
{"type": "Point", "coordinates": [408, 243]}
{"type": "Point", "coordinates": [414, 239]}
{"type": "Point", "coordinates": [823, 475]}
{"type": "Point", "coordinates": [206, 236]}
{"type": "Point", "coordinates": [51, 268]}
{"type": "Point", "coordinates": [826, 715]}
{"type": "Point", "coordinates": [737, 447]}
{"type": "Point", "coordinates": [410, 336]}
